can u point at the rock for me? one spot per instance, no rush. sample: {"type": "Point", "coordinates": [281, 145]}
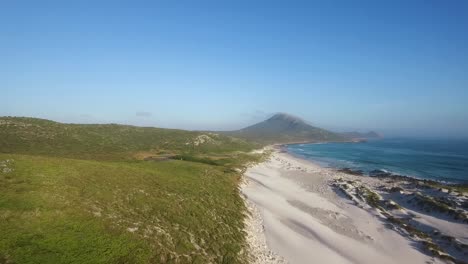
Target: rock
{"type": "Point", "coordinates": [396, 189]}
{"type": "Point", "coordinates": [380, 173]}
{"type": "Point", "coordinates": [351, 171]}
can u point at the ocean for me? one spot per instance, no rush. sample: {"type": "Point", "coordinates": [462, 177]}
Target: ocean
{"type": "Point", "coordinates": [440, 160]}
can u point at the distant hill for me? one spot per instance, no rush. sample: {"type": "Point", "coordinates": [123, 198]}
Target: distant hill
{"type": "Point", "coordinates": [358, 135]}
{"type": "Point", "coordinates": [285, 128]}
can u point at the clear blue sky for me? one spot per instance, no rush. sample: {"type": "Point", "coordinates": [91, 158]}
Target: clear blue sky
{"type": "Point", "coordinates": [400, 67]}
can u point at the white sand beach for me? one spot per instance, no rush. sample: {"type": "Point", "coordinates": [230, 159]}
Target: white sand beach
{"type": "Point", "coordinates": [298, 218]}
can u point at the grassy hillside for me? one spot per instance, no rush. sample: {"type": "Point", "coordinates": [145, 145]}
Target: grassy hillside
{"type": "Point", "coordinates": [106, 142]}
{"type": "Point", "coordinates": [119, 194]}
{"type": "Point", "coordinates": [284, 128]}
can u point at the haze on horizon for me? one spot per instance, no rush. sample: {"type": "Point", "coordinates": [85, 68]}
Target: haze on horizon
{"type": "Point", "coordinates": [397, 67]}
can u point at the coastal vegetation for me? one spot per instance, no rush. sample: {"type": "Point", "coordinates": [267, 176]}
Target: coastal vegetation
{"type": "Point", "coordinates": [112, 193]}
{"type": "Point", "coordinates": [413, 196]}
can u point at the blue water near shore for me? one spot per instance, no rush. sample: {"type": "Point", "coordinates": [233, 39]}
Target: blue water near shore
{"type": "Point", "coordinates": [441, 160]}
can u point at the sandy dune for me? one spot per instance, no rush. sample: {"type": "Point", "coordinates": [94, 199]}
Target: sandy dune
{"type": "Point", "coordinates": [298, 218]}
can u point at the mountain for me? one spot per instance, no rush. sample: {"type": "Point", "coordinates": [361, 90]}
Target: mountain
{"type": "Point", "coordinates": [359, 135]}
{"type": "Point", "coordinates": [285, 128]}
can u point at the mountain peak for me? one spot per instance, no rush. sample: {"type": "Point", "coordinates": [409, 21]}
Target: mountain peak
{"type": "Point", "coordinates": [286, 117]}
{"type": "Point", "coordinates": [285, 128]}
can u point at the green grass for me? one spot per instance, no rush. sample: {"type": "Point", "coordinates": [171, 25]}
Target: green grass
{"type": "Point", "coordinates": [56, 210]}
{"type": "Point", "coordinates": [461, 188]}
{"type": "Point", "coordinates": [84, 194]}
{"type": "Point", "coordinates": [105, 142]}
{"type": "Point", "coordinates": [371, 197]}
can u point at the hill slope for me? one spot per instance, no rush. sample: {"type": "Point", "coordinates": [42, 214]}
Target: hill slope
{"type": "Point", "coordinates": [106, 141]}
{"type": "Point", "coordinates": [74, 193]}
{"type": "Point", "coordinates": [285, 128]}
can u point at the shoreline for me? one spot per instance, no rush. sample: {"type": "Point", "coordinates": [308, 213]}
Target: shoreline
{"type": "Point", "coordinates": [382, 173]}
{"type": "Point", "coordinates": [305, 212]}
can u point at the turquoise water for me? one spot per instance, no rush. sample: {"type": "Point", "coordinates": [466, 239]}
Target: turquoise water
{"type": "Point", "coordinates": [442, 160]}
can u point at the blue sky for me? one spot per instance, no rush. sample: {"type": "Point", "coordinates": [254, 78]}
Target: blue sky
{"type": "Point", "coordinates": [400, 67]}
